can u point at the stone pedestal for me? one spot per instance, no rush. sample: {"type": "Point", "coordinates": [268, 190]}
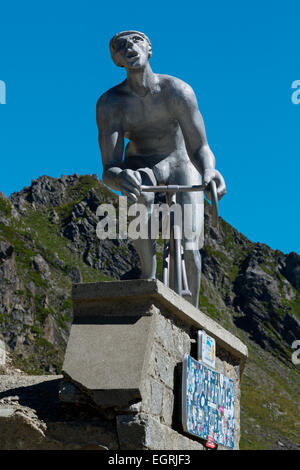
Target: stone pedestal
{"type": "Point", "coordinates": [124, 356]}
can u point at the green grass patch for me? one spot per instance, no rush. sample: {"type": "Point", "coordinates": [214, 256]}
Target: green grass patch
{"type": "Point", "coordinates": [83, 186]}
{"type": "Point", "coordinates": [67, 304]}
{"type": "Point", "coordinates": [295, 305]}
{"type": "Point", "coordinates": [37, 330]}
{"type": "Point", "coordinates": [208, 308]}
{"type": "Point", "coordinates": [5, 207]}
{"type": "Point", "coordinates": [269, 408]}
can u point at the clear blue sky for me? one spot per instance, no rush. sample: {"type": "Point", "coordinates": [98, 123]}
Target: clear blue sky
{"type": "Point", "coordinates": [240, 57]}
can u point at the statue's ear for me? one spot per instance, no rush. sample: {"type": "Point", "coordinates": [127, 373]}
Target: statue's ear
{"type": "Point", "coordinates": [150, 52]}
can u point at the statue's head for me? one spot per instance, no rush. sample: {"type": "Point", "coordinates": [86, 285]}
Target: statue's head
{"type": "Point", "coordinates": [130, 49]}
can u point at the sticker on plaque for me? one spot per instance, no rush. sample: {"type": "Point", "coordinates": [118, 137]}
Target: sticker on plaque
{"type": "Point", "coordinates": [206, 349]}
{"type": "Point", "coordinates": [207, 403]}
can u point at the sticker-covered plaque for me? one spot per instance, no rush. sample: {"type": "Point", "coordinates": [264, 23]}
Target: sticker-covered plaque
{"type": "Point", "coordinates": [207, 403]}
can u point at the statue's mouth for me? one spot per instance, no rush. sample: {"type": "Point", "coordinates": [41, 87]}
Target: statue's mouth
{"type": "Point", "coordinates": [131, 54]}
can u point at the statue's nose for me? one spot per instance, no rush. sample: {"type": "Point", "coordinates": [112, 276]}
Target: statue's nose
{"type": "Point", "coordinates": [129, 43]}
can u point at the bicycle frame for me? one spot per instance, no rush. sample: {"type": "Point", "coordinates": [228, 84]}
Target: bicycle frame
{"type": "Point", "coordinates": [174, 270]}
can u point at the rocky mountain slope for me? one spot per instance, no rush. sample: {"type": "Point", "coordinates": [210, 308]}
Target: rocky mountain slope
{"type": "Point", "coordinates": [48, 240]}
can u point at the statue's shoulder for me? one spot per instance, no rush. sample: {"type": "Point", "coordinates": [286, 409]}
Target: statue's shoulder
{"type": "Point", "coordinates": [112, 98]}
{"type": "Point", "coordinates": [175, 87]}
{"type": "Point", "coordinates": [179, 95]}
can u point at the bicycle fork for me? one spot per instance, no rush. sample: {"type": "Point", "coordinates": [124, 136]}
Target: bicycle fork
{"type": "Point", "coordinates": [174, 270]}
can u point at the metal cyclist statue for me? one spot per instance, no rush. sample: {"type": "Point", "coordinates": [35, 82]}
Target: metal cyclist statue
{"type": "Point", "coordinates": [159, 116]}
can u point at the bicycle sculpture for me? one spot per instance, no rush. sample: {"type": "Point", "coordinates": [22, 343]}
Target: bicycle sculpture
{"type": "Point", "coordinates": [173, 255]}
{"type": "Point", "coordinates": [167, 152]}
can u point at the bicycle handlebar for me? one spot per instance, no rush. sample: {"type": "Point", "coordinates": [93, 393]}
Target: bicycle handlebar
{"type": "Point", "coordinates": [173, 188]}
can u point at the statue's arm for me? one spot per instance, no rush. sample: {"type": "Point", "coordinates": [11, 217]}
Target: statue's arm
{"type": "Point", "coordinates": [186, 111]}
{"type": "Point", "coordinates": [111, 141]}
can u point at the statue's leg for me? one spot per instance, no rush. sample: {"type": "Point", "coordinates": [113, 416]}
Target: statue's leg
{"type": "Point", "coordinates": [192, 207]}
{"type": "Point", "coordinates": [192, 245]}
{"type": "Point", "coordinates": [193, 270]}
{"type": "Point", "coordinates": [146, 248]}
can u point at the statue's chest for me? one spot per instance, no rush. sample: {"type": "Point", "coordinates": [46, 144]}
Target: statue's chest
{"type": "Point", "coordinates": [140, 115]}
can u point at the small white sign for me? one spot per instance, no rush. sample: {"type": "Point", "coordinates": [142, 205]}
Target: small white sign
{"type": "Point", "coordinates": [206, 349]}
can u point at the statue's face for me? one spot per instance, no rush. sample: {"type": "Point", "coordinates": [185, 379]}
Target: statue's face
{"type": "Point", "coordinates": [132, 51]}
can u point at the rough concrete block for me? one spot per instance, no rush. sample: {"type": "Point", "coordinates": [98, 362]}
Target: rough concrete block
{"type": "Point", "coordinates": [161, 366]}
{"type": "Point", "coordinates": [168, 406]}
{"type": "Point", "coordinates": [68, 393]}
{"type": "Point", "coordinates": [106, 357]}
{"type": "Point", "coordinates": [123, 293]}
{"type": "Point", "coordinates": [145, 432]}
{"type": "Point", "coordinates": [132, 432]}
{"type": "Point", "coordinates": [157, 391]}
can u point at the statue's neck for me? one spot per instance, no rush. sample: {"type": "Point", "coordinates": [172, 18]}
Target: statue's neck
{"type": "Point", "coordinates": [141, 81]}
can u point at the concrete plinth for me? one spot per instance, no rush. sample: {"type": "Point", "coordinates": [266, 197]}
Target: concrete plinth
{"type": "Point", "coordinates": [124, 355]}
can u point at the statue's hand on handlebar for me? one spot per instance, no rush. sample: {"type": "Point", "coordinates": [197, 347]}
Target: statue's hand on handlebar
{"type": "Point", "coordinates": [129, 182]}
{"type": "Point", "coordinates": [212, 174]}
